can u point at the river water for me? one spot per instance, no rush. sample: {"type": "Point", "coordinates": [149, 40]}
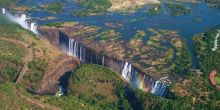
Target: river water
{"type": "Point", "coordinates": [185, 24]}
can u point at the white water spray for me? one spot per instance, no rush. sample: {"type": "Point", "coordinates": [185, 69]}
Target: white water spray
{"type": "Point", "coordinates": [80, 53]}
{"type": "Point", "coordinates": [75, 49]}
{"type": "Point", "coordinates": [70, 52]}
{"type": "Point", "coordinates": [103, 60]}
{"type": "Point", "coordinates": [126, 72]}
{"type": "Point", "coordinates": [216, 41]}
{"type": "Point", "coordinates": [3, 11]}
{"type": "Point", "coordinates": [22, 20]}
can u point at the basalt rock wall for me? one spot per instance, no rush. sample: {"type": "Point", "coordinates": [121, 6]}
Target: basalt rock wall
{"type": "Point", "coordinates": [91, 52]}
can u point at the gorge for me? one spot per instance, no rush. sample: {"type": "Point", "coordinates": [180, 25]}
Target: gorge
{"type": "Point", "coordinates": [109, 54]}
{"type": "Point", "coordinates": [88, 55]}
{"type": "Point", "coordinates": [72, 47]}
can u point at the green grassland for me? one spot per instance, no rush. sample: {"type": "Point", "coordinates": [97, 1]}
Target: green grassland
{"type": "Point", "coordinates": [10, 60]}
{"type": "Point", "coordinates": [217, 79]}
{"type": "Point", "coordinates": [10, 101]}
{"type": "Point", "coordinates": [98, 86]}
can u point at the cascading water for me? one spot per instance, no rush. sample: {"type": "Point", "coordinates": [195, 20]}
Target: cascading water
{"type": "Point", "coordinates": [159, 88]}
{"type": "Point", "coordinates": [75, 49]}
{"type": "Point", "coordinates": [70, 52]}
{"type": "Point", "coordinates": [34, 28]}
{"type": "Point", "coordinates": [22, 20]}
{"type": "Point", "coordinates": [128, 72]}
{"type": "Point", "coordinates": [3, 11]}
{"type": "Point", "coordinates": [103, 60]}
{"type": "Point", "coordinates": [80, 52]}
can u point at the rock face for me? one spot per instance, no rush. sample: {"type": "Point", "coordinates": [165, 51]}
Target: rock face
{"type": "Point", "coordinates": [93, 52]}
{"type": "Point", "coordinates": [55, 71]}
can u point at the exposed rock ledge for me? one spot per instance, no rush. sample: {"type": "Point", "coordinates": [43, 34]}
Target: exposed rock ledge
{"type": "Point", "coordinates": [59, 67]}
{"type": "Point", "coordinates": [112, 50]}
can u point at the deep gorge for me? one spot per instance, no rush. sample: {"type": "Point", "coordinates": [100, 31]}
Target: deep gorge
{"type": "Point", "coordinates": [87, 55]}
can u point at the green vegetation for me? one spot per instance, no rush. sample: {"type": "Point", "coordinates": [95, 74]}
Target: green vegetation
{"type": "Point", "coordinates": [92, 7]}
{"type": "Point", "coordinates": [193, 92]}
{"type": "Point", "coordinates": [54, 7]}
{"type": "Point", "coordinates": [91, 87]}
{"type": "Point", "coordinates": [55, 24]}
{"type": "Point", "coordinates": [150, 102]}
{"type": "Point", "coordinates": [98, 86]}
{"type": "Point", "coordinates": [108, 35]}
{"type": "Point", "coordinates": [183, 59]}
{"type": "Point", "coordinates": [6, 28]}
{"type": "Point", "coordinates": [178, 9]}
{"type": "Point", "coordinates": [6, 3]}
{"type": "Point", "coordinates": [217, 79]}
{"type": "Point", "coordinates": [204, 43]}
{"type": "Point", "coordinates": [36, 72]}
{"type": "Point", "coordinates": [10, 101]}
{"type": "Point", "coordinates": [155, 9]}
{"type": "Point", "coordinates": [69, 102]}
{"type": "Point", "coordinates": [213, 3]}
{"type": "Point", "coordinates": [206, 95]}
{"type": "Point", "coordinates": [179, 61]}
{"type": "Point", "coordinates": [10, 60]}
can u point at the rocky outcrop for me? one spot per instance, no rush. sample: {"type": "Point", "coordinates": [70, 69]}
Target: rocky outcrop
{"type": "Point", "coordinates": [49, 83]}
{"type": "Point", "coordinates": [52, 36]}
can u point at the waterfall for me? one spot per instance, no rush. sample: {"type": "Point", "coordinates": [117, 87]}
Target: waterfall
{"type": "Point", "coordinates": [103, 60]}
{"type": "Point", "coordinates": [131, 74]}
{"type": "Point", "coordinates": [22, 20]}
{"type": "Point", "coordinates": [34, 27]}
{"type": "Point", "coordinates": [80, 53]}
{"type": "Point", "coordinates": [70, 52]}
{"type": "Point", "coordinates": [159, 88]}
{"type": "Point", "coordinates": [126, 72]}
{"type": "Point", "coordinates": [216, 42]}
{"type": "Point", "coordinates": [75, 49]}
{"type": "Point", "coordinates": [3, 11]}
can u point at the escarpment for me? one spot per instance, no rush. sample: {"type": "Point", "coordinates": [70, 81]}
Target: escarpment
{"type": "Point", "coordinates": [58, 68]}
{"type": "Point", "coordinates": [76, 41]}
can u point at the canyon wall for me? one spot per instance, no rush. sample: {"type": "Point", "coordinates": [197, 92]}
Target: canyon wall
{"type": "Point", "coordinates": [90, 53]}
{"type": "Point", "coordinates": [49, 83]}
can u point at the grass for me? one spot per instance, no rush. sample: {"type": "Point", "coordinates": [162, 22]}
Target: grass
{"type": "Point", "coordinates": [10, 101]}
{"type": "Point", "coordinates": [217, 79]}
{"type": "Point", "coordinates": [95, 85]}
{"type": "Point", "coordinates": [10, 59]}
{"type": "Point", "coordinates": [54, 7]}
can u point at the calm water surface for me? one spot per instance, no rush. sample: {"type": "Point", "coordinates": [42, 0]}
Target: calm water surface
{"type": "Point", "coordinates": [185, 25]}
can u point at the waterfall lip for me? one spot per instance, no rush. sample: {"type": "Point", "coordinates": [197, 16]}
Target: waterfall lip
{"type": "Point", "coordinates": [23, 20]}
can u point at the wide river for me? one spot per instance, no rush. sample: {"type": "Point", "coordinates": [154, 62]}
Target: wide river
{"type": "Point", "coordinates": [185, 24]}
